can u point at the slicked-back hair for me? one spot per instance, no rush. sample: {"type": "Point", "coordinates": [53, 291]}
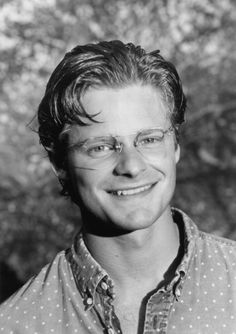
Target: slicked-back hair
{"type": "Point", "coordinates": [110, 64]}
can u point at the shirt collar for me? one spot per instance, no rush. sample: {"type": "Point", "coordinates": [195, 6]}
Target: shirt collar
{"type": "Point", "coordinates": [89, 274]}
{"type": "Point", "coordinates": [191, 234]}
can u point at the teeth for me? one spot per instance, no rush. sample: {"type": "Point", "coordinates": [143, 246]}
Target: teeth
{"type": "Point", "coordinates": [131, 191]}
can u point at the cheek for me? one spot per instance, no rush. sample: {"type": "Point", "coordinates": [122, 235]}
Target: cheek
{"type": "Point", "coordinates": [83, 189]}
{"type": "Point", "coordinates": [172, 167]}
{"type": "Point", "coordinates": [166, 164]}
{"type": "Point", "coordinates": [169, 168]}
{"type": "Point", "coordinates": [85, 183]}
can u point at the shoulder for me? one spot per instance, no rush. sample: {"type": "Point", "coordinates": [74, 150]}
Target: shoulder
{"type": "Point", "coordinates": [44, 301]}
{"type": "Point", "coordinates": [204, 241]}
{"type": "Point", "coordinates": [221, 251]}
{"type": "Point", "coordinates": [33, 293]}
{"type": "Point", "coordinates": [217, 241]}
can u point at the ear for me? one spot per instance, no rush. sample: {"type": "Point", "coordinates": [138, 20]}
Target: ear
{"type": "Point", "coordinates": [177, 153]}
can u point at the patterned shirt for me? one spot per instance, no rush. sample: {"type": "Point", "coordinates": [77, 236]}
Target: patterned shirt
{"type": "Point", "coordinates": [74, 294]}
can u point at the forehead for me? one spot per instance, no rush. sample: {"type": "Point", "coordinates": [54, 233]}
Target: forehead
{"type": "Point", "coordinates": [123, 111]}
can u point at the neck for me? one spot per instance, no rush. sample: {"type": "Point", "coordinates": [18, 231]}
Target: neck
{"type": "Point", "coordinates": [139, 257]}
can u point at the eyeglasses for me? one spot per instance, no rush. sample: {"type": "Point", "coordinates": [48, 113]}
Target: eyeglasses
{"type": "Point", "coordinates": [96, 151]}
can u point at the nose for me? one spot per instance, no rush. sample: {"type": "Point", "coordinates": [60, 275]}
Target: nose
{"type": "Point", "coordinates": [130, 163]}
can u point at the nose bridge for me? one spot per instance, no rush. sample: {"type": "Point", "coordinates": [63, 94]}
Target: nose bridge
{"type": "Point", "coordinates": [130, 161]}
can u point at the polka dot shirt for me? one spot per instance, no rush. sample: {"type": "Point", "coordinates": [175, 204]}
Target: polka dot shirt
{"type": "Point", "coordinates": [74, 294]}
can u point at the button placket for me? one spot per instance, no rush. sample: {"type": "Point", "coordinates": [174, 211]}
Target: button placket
{"type": "Point", "coordinates": [106, 295]}
{"type": "Point", "coordinates": [157, 311]}
{"type": "Point", "coordinates": [104, 286]}
{"type": "Point", "coordinates": [89, 301]}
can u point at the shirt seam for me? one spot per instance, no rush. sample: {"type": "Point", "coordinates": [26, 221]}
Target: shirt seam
{"type": "Point", "coordinates": [218, 239]}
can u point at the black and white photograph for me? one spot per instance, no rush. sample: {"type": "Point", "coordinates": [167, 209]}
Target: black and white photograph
{"type": "Point", "coordinates": [117, 167]}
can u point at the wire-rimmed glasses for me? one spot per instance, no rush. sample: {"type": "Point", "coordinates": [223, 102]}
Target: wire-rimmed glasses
{"type": "Point", "coordinates": [96, 152]}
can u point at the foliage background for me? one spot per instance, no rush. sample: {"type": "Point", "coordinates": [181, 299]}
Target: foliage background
{"type": "Point", "coordinates": [198, 36]}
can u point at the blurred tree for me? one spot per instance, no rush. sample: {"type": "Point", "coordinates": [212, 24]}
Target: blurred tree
{"type": "Point", "coordinates": [199, 37]}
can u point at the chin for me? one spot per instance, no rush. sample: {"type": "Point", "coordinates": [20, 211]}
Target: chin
{"type": "Point", "coordinates": [135, 221]}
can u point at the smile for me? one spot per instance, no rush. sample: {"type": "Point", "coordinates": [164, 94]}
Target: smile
{"type": "Point", "coordinates": [129, 192]}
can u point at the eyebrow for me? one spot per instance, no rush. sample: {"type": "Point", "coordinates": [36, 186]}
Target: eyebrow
{"type": "Point", "coordinates": [82, 142]}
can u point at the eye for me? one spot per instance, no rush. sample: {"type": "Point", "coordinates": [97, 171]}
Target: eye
{"type": "Point", "coordinates": [149, 141]}
{"type": "Point", "coordinates": [99, 150]}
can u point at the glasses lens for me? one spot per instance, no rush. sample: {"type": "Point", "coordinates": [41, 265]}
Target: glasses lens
{"type": "Point", "coordinates": [100, 148]}
{"type": "Point", "coordinates": [104, 149]}
{"type": "Point", "coordinates": [150, 140]}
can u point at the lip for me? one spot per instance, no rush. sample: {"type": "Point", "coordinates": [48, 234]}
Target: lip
{"type": "Point", "coordinates": [131, 190]}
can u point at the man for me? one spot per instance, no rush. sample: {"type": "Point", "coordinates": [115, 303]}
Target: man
{"type": "Point", "coordinates": [109, 121]}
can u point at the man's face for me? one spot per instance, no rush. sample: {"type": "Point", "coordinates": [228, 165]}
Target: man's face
{"type": "Point", "coordinates": [131, 193]}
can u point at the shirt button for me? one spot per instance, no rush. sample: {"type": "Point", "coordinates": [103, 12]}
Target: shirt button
{"type": "Point", "coordinates": [104, 286]}
{"type": "Point", "coordinates": [89, 301]}
{"type": "Point", "coordinates": [110, 331]}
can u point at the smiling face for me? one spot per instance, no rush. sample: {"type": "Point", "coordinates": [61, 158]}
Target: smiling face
{"type": "Point", "coordinates": [131, 193]}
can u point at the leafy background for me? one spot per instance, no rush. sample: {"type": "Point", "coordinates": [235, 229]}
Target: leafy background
{"type": "Point", "coordinates": [198, 36]}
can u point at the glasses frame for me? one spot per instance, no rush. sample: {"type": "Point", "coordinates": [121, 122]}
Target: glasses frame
{"type": "Point", "coordinates": [118, 145]}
